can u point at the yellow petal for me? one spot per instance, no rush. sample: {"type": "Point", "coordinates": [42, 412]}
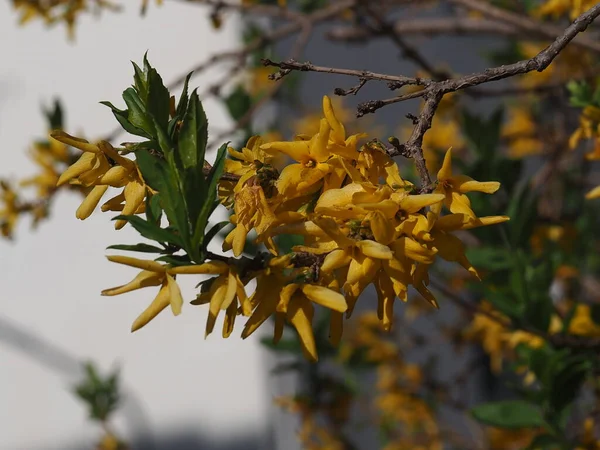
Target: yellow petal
{"type": "Point", "coordinates": [318, 148]}
{"type": "Point", "coordinates": [231, 291]}
{"type": "Point", "coordinates": [464, 184]}
{"type": "Point", "coordinates": [459, 204]}
{"type": "Point", "coordinates": [335, 199]}
{"type": "Point", "coordinates": [594, 193]}
{"type": "Point", "coordinates": [338, 133]}
{"type": "Point", "coordinates": [332, 229]}
{"type": "Point", "coordinates": [325, 297]}
{"type": "Point", "coordinates": [355, 271]}
{"type": "Point", "coordinates": [410, 248]}
{"type": "Point", "coordinates": [382, 228]}
{"type": "Point", "coordinates": [143, 264]}
{"type": "Point", "coordinates": [208, 268]}
{"type": "Point", "coordinates": [445, 173]}
{"type": "Point", "coordinates": [335, 260]}
{"type": "Point", "coordinates": [385, 297]}
{"type": "Point", "coordinates": [218, 290]}
{"type": "Point", "coordinates": [83, 164]}
{"type": "Point", "coordinates": [174, 295]}
{"type": "Point", "coordinates": [229, 322]}
{"type": "Point", "coordinates": [114, 204]}
{"type": "Point", "coordinates": [279, 326]}
{"type": "Point", "coordinates": [116, 176]}
{"type": "Point", "coordinates": [160, 302]}
{"type": "Point", "coordinates": [427, 295]}
{"type": "Point", "coordinates": [295, 179]}
{"type": "Point", "coordinates": [300, 314]}
{"type": "Point", "coordinates": [90, 202]}
{"type": "Point", "coordinates": [134, 192]}
{"type": "Point", "coordinates": [73, 141]}
{"type": "Point", "coordinates": [453, 222]}
{"type": "Point", "coordinates": [267, 294]}
{"type": "Point", "coordinates": [285, 296]}
{"type": "Point", "coordinates": [143, 279]}
{"type": "Point", "coordinates": [451, 248]}
{"type": "Point", "coordinates": [375, 249]}
{"type": "Point", "coordinates": [236, 239]}
{"type": "Point", "coordinates": [414, 203]}
{"type": "Point", "coordinates": [297, 150]}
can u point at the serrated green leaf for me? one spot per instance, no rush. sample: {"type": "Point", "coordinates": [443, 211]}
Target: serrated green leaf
{"type": "Point", "coordinates": [182, 105]}
{"type": "Point", "coordinates": [210, 201]}
{"type": "Point", "coordinates": [140, 81]}
{"type": "Point", "coordinates": [158, 103]}
{"type": "Point", "coordinates": [143, 248]}
{"type": "Point", "coordinates": [137, 113]}
{"type": "Point", "coordinates": [193, 135]}
{"type": "Point", "coordinates": [509, 414]}
{"type": "Point", "coordinates": [151, 231]}
{"type": "Point", "coordinates": [158, 175]}
{"type": "Point", "coordinates": [122, 117]}
{"type": "Point", "coordinates": [153, 209]}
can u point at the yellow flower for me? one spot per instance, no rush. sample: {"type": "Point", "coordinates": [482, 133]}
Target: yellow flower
{"type": "Point", "coordinates": [520, 131]}
{"type": "Point", "coordinates": [225, 292]}
{"type": "Point", "coordinates": [455, 188]}
{"type": "Point", "coordinates": [312, 155]}
{"type": "Point", "coordinates": [152, 274]}
{"type": "Point", "coordinates": [292, 302]}
{"type": "Point", "coordinates": [558, 8]}
{"type": "Point", "coordinates": [9, 213]}
{"type": "Point", "coordinates": [99, 167]}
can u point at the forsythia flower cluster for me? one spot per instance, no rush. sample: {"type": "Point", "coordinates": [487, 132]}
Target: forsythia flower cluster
{"type": "Point", "coordinates": [360, 221]}
{"type": "Point", "coordinates": [67, 11]}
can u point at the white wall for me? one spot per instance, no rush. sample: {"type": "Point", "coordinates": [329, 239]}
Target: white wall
{"type": "Point", "coordinates": [50, 279]}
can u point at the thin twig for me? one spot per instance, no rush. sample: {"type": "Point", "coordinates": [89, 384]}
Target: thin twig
{"type": "Point", "coordinates": [525, 23]}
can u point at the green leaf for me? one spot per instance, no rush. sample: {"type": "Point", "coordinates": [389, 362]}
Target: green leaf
{"type": "Point", "coordinates": [284, 345]}
{"type": "Point", "coordinates": [153, 209]}
{"type": "Point", "coordinates": [211, 196]}
{"type": "Point", "coordinates": [159, 176]}
{"type": "Point", "coordinates": [101, 394]}
{"type": "Point", "coordinates": [175, 260]}
{"type": "Point", "coordinates": [214, 231]}
{"type": "Point", "coordinates": [489, 258]}
{"type": "Point", "coordinates": [54, 115]}
{"type": "Point", "coordinates": [137, 113]}
{"type": "Point", "coordinates": [193, 135]}
{"type": "Point", "coordinates": [285, 242]}
{"type": "Point", "coordinates": [143, 248]}
{"type": "Point", "coordinates": [163, 139]}
{"type": "Point", "coordinates": [522, 212]}
{"type": "Point", "coordinates": [567, 382]}
{"type": "Point", "coordinates": [122, 117]}
{"type": "Point", "coordinates": [158, 103]}
{"type": "Point", "coordinates": [483, 134]}
{"type": "Point", "coordinates": [140, 81]}
{"type": "Point", "coordinates": [182, 105]}
{"type": "Point", "coordinates": [509, 414]}
{"type": "Point", "coordinates": [238, 103]}
{"type": "Point", "coordinates": [505, 303]}
{"type": "Point", "coordinates": [151, 231]}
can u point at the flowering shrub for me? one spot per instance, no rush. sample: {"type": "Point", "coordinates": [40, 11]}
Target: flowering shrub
{"type": "Point", "coordinates": [340, 212]}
